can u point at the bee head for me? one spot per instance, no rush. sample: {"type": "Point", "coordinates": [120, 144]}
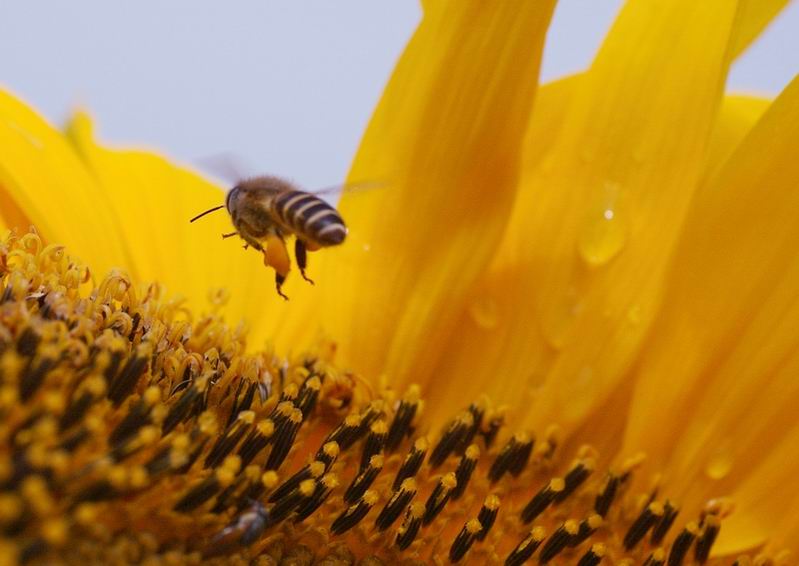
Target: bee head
{"type": "Point", "coordinates": [230, 199]}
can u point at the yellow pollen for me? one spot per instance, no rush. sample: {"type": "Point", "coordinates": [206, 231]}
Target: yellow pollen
{"type": "Point", "coordinates": [316, 468]}
{"type": "Point", "coordinates": [370, 497]}
{"type": "Point", "coordinates": [449, 481]}
{"type": "Point", "coordinates": [473, 452]}
{"type": "Point", "coordinates": [491, 502]}
{"type": "Point", "coordinates": [474, 526]}
{"type": "Point", "coordinates": [408, 485]}
{"type": "Point", "coordinates": [307, 487]}
{"type": "Point", "coordinates": [269, 479]}
{"type": "Point", "coordinates": [266, 427]}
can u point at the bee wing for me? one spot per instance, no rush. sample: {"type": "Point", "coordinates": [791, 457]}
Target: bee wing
{"type": "Point", "coordinates": [226, 166]}
{"type": "Point", "coordinates": [348, 188]}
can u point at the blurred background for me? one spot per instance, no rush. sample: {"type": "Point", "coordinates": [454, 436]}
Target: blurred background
{"type": "Point", "coordinates": [287, 86]}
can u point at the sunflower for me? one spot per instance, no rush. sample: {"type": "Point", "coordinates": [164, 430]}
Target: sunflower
{"type": "Point", "coordinates": [565, 331]}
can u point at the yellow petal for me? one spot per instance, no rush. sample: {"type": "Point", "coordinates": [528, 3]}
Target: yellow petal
{"type": "Point", "coordinates": [755, 16]}
{"type": "Point", "coordinates": [151, 202]}
{"type": "Point", "coordinates": [724, 346]}
{"type": "Point", "coordinates": [598, 214]}
{"type": "Point", "coordinates": [42, 182]}
{"type": "Point", "coordinates": [737, 116]}
{"type": "Point", "coordinates": [446, 138]}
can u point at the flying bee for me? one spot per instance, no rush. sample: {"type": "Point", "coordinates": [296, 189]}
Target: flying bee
{"type": "Point", "coordinates": [242, 531]}
{"type": "Point", "coordinates": [265, 210]}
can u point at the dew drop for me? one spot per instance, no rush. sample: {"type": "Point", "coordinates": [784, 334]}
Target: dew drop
{"type": "Point", "coordinates": [603, 233]}
{"type": "Point", "coordinates": [720, 463]}
{"type": "Point", "coordinates": [367, 247]}
{"type": "Point", "coordinates": [719, 466]}
{"type": "Point", "coordinates": [484, 312]}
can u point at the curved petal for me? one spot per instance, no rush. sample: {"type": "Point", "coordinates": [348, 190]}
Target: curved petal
{"type": "Point", "coordinates": [446, 137]}
{"type": "Point", "coordinates": [44, 183]}
{"type": "Point", "coordinates": [727, 337]}
{"type": "Point", "coordinates": [152, 201]}
{"type": "Point", "coordinates": [598, 215]}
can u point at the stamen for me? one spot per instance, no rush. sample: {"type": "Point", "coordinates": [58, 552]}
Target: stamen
{"type": "Point", "coordinates": [488, 515]}
{"type": "Point", "coordinates": [310, 471]}
{"type": "Point", "coordinates": [410, 526]}
{"type": "Point", "coordinates": [605, 498]}
{"type": "Point", "coordinates": [670, 513]}
{"type": "Point", "coordinates": [438, 499]}
{"type": "Point", "coordinates": [413, 461]}
{"type": "Point", "coordinates": [586, 528]}
{"type": "Point", "coordinates": [347, 433]}
{"type": "Point", "coordinates": [526, 548]}
{"type": "Point", "coordinates": [648, 517]}
{"type": "Point", "coordinates": [364, 479]}
{"type": "Point", "coordinates": [354, 514]}
{"type": "Point", "coordinates": [451, 438]}
{"type": "Point", "coordinates": [258, 439]}
{"type": "Point", "coordinates": [682, 543]}
{"type": "Point", "coordinates": [375, 440]}
{"type": "Point", "coordinates": [464, 470]}
{"type": "Point", "coordinates": [398, 502]}
{"type": "Point", "coordinates": [576, 475]}
{"type": "Point", "coordinates": [464, 540]}
{"type": "Point", "coordinates": [558, 541]}
{"type": "Point", "coordinates": [284, 506]}
{"type": "Point", "coordinates": [284, 438]}
{"type": "Point", "coordinates": [403, 418]}
{"type": "Point", "coordinates": [657, 558]}
{"type": "Point", "coordinates": [309, 394]}
{"type": "Point", "coordinates": [710, 531]}
{"type": "Point", "coordinates": [228, 441]}
{"type": "Point", "coordinates": [593, 556]}
{"type": "Point", "coordinates": [542, 499]}
{"type": "Point", "coordinates": [328, 454]}
{"type": "Point", "coordinates": [322, 491]}
{"type": "Point", "coordinates": [512, 458]}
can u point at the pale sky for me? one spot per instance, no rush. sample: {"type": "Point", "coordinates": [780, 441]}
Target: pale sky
{"type": "Point", "coordinates": [286, 85]}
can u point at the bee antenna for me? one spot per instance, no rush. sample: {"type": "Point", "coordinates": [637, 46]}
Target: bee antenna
{"type": "Point", "coordinates": [209, 211]}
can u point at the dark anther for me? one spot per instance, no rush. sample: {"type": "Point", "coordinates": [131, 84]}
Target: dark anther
{"type": "Point", "coordinates": [291, 501]}
{"type": "Point", "coordinates": [586, 528]}
{"type": "Point", "coordinates": [478, 412]}
{"type": "Point", "coordinates": [557, 541]}
{"type": "Point", "coordinates": [198, 495]}
{"type": "Point", "coordinates": [242, 402]}
{"type": "Point", "coordinates": [705, 541]}
{"type": "Point", "coordinates": [375, 440]}
{"type": "Point", "coordinates": [648, 517]}
{"type": "Point", "coordinates": [403, 419]}
{"type": "Point", "coordinates": [229, 439]}
{"type": "Point", "coordinates": [364, 479]}
{"type": "Point", "coordinates": [33, 377]}
{"type": "Point", "coordinates": [76, 410]}
{"type": "Point", "coordinates": [181, 409]}
{"type": "Point", "coordinates": [258, 439]}
{"type": "Point", "coordinates": [322, 491]}
{"type": "Point", "coordinates": [657, 558]}
{"type": "Point", "coordinates": [394, 507]}
{"type": "Point", "coordinates": [284, 438]}
{"type": "Point", "coordinates": [526, 548]}
{"type": "Point", "coordinates": [464, 540]}
{"type": "Point", "coordinates": [450, 439]}
{"type": "Point", "coordinates": [124, 383]}
{"type": "Point", "coordinates": [488, 515]}
{"type": "Point", "coordinates": [578, 473]}
{"type": "Point", "coordinates": [101, 490]}
{"type": "Point", "coordinates": [28, 341]}
{"type": "Point", "coordinates": [463, 472]}
{"type": "Point", "coordinates": [309, 394]}
{"type": "Point", "coordinates": [309, 471]}
{"type": "Point", "coordinates": [354, 514]}
{"type": "Point", "coordinates": [328, 453]}
{"type": "Point", "coordinates": [605, 498]}
{"type": "Point", "coordinates": [542, 499]}
{"type": "Point", "coordinates": [490, 433]}
{"type": "Point", "coordinates": [512, 458]}
{"type": "Point", "coordinates": [666, 521]}
{"type": "Point", "coordinates": [138, 416]}
{"type": "Point", "coordinates": [682, 543]}
{"type": "Point", "coordinates": [413, 461]}
{"type": "Point", "coordinates": [410, 526]}
{"type": "Point", "coordinates": [347, 433]}
{"type": "Point", "coordinates": [593, 555]}
{"type": "Point", "coordinates": [439, 497]}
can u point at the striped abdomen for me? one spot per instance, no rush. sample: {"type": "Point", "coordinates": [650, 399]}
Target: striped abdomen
{"type": "Point", "coordinates": [309, 217]}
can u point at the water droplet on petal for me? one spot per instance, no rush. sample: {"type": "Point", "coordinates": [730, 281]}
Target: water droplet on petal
{"type": "Point", "coordinates": [604, 231]}
{"type": "Point", "coordinates": [719, 465]}
{"type": "Point", "coordinates": [484, 312]}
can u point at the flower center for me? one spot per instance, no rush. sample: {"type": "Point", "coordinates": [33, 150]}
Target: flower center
{"type": "Point", "coordinates": [132, 431]}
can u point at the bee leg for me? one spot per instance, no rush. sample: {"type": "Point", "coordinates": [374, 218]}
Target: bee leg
{"type": "Point", "coordinates": [224, 236]}
{"type": "Point", "coordinates": [276, 256]}
{"type": "Point", "coordinates": [302, 258]}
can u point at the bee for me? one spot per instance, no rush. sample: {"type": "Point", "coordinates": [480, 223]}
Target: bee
{"type": "Point", "coordinates": [242, 531]}
{"type": "Point", "coordinates": [266, 210]}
